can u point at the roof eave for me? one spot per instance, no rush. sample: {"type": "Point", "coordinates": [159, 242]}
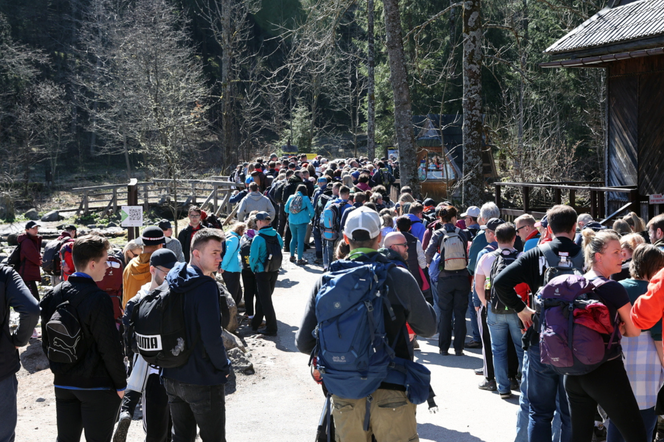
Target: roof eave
{"type": "Point", "coordinates": [616, 48]}
{"type": "Point", "coordinates": [601, 61]}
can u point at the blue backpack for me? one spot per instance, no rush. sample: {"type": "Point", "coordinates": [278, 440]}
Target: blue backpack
{"type": "Point", "coordinates": [351, 343]}
{"type": "Point", "coordinates": [330, 221]}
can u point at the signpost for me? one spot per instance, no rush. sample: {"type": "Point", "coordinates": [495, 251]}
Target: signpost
{"type": "Point", "coordinates": [657, 198]}
{"type": "Point", "coordinates": [131, 216]}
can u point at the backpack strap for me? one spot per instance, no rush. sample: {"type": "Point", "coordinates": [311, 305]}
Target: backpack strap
{"type": "Point", "coordinates": [552, 259]}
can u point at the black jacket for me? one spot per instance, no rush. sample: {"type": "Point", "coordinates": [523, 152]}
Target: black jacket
{"type": "Point", "coordinates": [101, 365]}
{"type": "Point", "coordinates": [291, 187]}
{"type": "Point", "coordinates": [184, 237]}
{"type": "Point", "coordinates": [14, 293]}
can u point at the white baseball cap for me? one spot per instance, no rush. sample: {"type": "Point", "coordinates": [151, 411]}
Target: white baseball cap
{"type": "Point", "coordinates": [473, 211]}
{"type": "Point", "coordinates": [362, 219]}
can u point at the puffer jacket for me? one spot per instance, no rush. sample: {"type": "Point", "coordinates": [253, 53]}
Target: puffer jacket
{"type": "Point", "coordinates": [30, 257]}
{"type": "Point", "coordinates": [232, 261]}
{"type": "Point", "coordinates": [134, 276]}
{"type": "Point", "coordinates": [304, 215]}
{"type": "Point", "coordinates": [254, 201]}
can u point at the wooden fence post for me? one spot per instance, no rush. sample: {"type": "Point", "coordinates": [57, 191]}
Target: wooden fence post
{"type": "Point", "coordinates": [572, 198]}
{"type": "Point", "coordinates": [499, 203]}
{"type": "Point", "coordinates": [115, 200]}
{"type": "Point", "coordinates": [132, 200]}
{"type": "Point", "coordinates": [526, 199]}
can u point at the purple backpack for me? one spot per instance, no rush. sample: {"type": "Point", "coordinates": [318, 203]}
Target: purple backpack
{"type": "Point", "coordinates": [571, 343]}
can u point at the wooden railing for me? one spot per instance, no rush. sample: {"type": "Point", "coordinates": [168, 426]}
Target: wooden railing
{"type": "Point", "coordinates": [597, 198]}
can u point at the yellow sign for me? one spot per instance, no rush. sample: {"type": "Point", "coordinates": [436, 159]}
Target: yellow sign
{"type": "Point", "coordinates": [311, 156]}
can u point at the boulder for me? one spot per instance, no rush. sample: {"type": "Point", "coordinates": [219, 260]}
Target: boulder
{"type": "Point", "coordinates": [7, 207]}
{"type": "Point", "coordinates": [111, 224]}
{"type": "Point", "coordinates": [32, 214]}
{"type": "Point", "coordinates": [53, 215]}
{"type": "Point", "coordinates": [241, 362]}
{"type": "Point", "coordinates": [232, 308]}
{"type": "Point", "coordinates": [12, 239]}
{"type": "Point", "coordinates": [231, 341]}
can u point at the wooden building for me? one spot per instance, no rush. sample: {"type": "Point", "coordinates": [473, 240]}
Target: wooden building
{"type": "Point", "coordinates": [627, 39]}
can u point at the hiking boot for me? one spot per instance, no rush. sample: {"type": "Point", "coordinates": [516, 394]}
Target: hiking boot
{"type": "Point", "coordinates": [444, 352]}
{"type": "Point", "coordinates": [488, 385]}
{"type": "Point", "coordinates": [302, 262]}
{"type": "Point", "coordinates": [293, 258]}
{"type": "Point", "coordinates": [473, 344]}
{"type": "Point", "coordinates": [506, 395]}
{"type": "Point", "coordinates": [122, 428]}
{"type": "Point", "coordinates": [458, 352]}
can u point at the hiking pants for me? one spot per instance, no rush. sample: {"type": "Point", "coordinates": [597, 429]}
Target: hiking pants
{"type": "Point", "coordinates": [318, 243]}
{"type": "Point", "coordinates": [8, 411]}
{"type": "Point", "coordinates": [265, 283]}
{"type": "Point", "coordinates": [328, 253]}
{"type": "Point", "coordinates": [298, 233]}
{"type": "Point", "coordinates": [156, 414]}
{"type": "Point", "coordinates": [607, 386]}
{"type": "Point", "coordinates": [283, 218]}
{"type": "Point", "coordinates": [232, 281]}
{"type": "Point", "coordinates": [94, 411]}
{"type": "Point", "coordinates": [32, 285]}
{"type": "Point", "coordinates": [249, 283]}
{"type": "Point", "coordinates": [487, 354]}
{"type": "Point", "coordinates": [453, 301]}
{"type": "Point", "coordinates": [202, 405]}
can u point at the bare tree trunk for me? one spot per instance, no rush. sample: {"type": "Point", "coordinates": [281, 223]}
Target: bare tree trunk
{"type": "Point", "coordinates": [473, 179]}
{"type": "Point", "coordinates": [226, 108]}
{"type": "Point", "coordinates": [403, 119]}
{"type": "Point", "coordinates": [371, 94]}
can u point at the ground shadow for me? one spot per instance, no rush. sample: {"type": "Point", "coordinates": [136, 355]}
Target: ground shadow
{"type": "Point", "coordinates": [286, 283]}
{"type": "Point", "coordinates": [437, 433]}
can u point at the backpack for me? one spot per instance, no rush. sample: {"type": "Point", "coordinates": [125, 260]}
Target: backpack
{"type": "Point", "coordinates": [561, 264]}
{"type": "Point", "coordinates": [331, 221]}
{"type": "Point", "coordinates": [502, 260]}
{"type": "Point", "coordinates": [14, 258]}
{"type": "Point", "coordinates": [51, 256]}
{"type": "Point", "coordinates": [386, 179]}
{"type": "Point", "coordinates": [296, 204]}
{"type": "Point", "coordinates": [65, 335]}
{"type": "Point", "coordinates": [274, 255]}
{"type": "Point", "coordinates": [325, 197]}
{"type": "Point", "coordinates": [276, 191]}
{"type": "Point", "coordinates": [245, 248]}
{"type": "Point", "coordinates": [351, 343]}
{"type": "Point", "coordinates": [112, 284]}
{"type": "Point", "coordinates": [158, 325]}
{"type": "Point", "coordinates": [454, 251]}
{"type": "Point", "coordinates": [576, 332]}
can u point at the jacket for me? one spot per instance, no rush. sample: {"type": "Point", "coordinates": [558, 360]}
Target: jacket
{"type": "Point", "coordinates": [648, 309]}
{"type": "Point", "coordinates": [407, 302]}
{"type": "Point", "coordinates": [208, 363]}
{"type": "Point", "coordinates": [101, 365]}
{"type": "Point", "coordinates": [291, 187]}
{"type": "Point", "coordinates": [232, 261]}
{"type": "Point", "coordinates": [254, 201]}
{"type": "Point", "coordinates": [66, 259]}
{"type": "Point", "coordinates": [436, 246]}
{"type": "Point", "coordinates": [17, 296]}
{"type": "Point", "coordinates": [134, 276]}
{"type": "Point", "coordinates": [185, 237]}
{"type": "Point", "coordinates": [532, 240]}
{"type": "Point", "coordinates": [258, 251]}
{"type": "Point", "coordinates": [479, 243]}
{"type": "Point", "coordinates": [417, 227]}
{"type": "Point", "coordinates": [29, 269]}
{"type": "Point", "coordinates": [174, 245]}
{"type": "Point", "coordinates": [304, 215]}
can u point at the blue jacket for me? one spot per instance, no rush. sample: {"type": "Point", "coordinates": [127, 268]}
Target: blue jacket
{"type": "Point", "coordinates": [417, 227]}
{"type": "Point", "coordinates": [303, 216]}
{"type": "Point", "coordinates": [478, 244]}
{"type": "Point", "coordinates": [232, 261]}
{"type": "Point", "coordinates": [208, 363]}
{"type": "Point", "coordinates": [258, 251]}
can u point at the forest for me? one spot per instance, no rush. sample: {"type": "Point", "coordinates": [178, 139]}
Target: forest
{"type": "Point", "coordinates": [182, 87]}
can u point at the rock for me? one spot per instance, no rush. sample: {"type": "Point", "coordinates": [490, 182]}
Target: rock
{"type": "Point", "coordinates": [53, 215]}
{"type": "Point", "coordinates": [111, 224]}
{"type": "Point", "coordinates": [12, 239]}
{"type": "Point", "coordinates": [232, 308]}
{"type": "Point", "coordinates": [92, 226]}
{"type": "Point", "coordinates": [240, 361]}
{"type": "Point", "coordinates": [32, 214]}
{"type": "Point", "coordinates": [231, 341]}
{"type": "Point", "coordinates": [7, 207]}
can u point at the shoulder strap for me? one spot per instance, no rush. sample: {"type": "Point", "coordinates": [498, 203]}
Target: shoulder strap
{"type": "Point", "coordinates": [578, 260]}
{"type": "Point", "coordinates": [551, 258]}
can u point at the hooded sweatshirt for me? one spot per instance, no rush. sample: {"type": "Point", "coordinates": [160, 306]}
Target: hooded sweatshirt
{"type": "Point", "coordinates": [208, 363]}
{"type": "Point", "coordinates": [254, 201]}
{"type": "Point", "coordinates": [258, 251]}
{"type": "Point", "coordinates": [30, 256]}
{"type": "Point", "coordinates": [134, 276]}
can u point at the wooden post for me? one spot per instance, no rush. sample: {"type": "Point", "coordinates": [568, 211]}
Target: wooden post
{"type": "Point", "coordinates": [214, 210]}
{"type": "Point", "coordinates": [557, 196]}
{"type": "Point", "coordinates": [193, 193]}
{"type": "Point", "coordinates": [115, 200]}
{"type": "Point", "coordinates": [146, 198]}
{"type": "Point", "coordinates": [635, 200]}
{"type": "Point", "coordinates": [526, 199]}
{"type": "Point", "coordinates": [499, 203]}
{"type": "Point", "coordinates": [572, 198]}
{"type": "Point", "coordinates": [132, 200]}
{"type": "Point", "coordinates": [85, 203]}
{"type": "Point", "coordinates": [593, 204]}
{"type": "Point", "coordinates": [601, 198]}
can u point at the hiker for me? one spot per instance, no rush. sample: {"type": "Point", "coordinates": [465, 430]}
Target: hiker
{"type": "Point", "coordinates": [396, 421]}
{"type": "Point", "coordinates": [172, 244]}
{"type": "Point", "coordinates": [265, 260]}
{"type": "Point", "coordinates": [331, 223]}
{"type": "Point", "coordinates": [628, 244]}
{"type": "Point", "coordinates": [656, 231]}
{"type": "Point", "coordinates": [185, 236]}
{"type": "Point", "coordinates": [88, 391]}
{"type": "Point", "coordinates": [196, 394]}
{"type": "Point", "coordinates": [231, 265]}
{"type": "Point", "coordinates": [642, 354]}
{"type": "Point", "coordinates": [67, 236]}
{"type": "Point", "coordinates": [525, 229]}
{"type": "Point", "coordinates": [31, 260]}
{"type": "Point", "coordinates": [254, 201]}
{"type": "Point", "coordinates": [156, 415]}
{"type": "Point", "coordinates": [608, 385]}
{"type": "Point", "coordinates": [17, 296]}
{"type": "Point", "coordinates": [322, 195]}
{"type": "Point", "coordinates": [300, 212]}
{"type": "Point", "coordinates": [137, 272]}
{"type": "Point", "coordinates": [248, 277]}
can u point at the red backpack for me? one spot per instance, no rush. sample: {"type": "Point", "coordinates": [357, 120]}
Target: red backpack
{"type": "Point", "coordinates": [112, 284]}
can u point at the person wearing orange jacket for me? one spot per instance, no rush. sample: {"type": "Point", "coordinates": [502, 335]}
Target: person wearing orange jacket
{"type": "Point", "coordinates": [648, 309]}
{"type": "Point", "coordinates": [137, 272]}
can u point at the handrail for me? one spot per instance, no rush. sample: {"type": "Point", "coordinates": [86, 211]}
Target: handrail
{"type": "Point", "coordinates": [566, 186]}
{"type": "Point", "coordinates": [106, 186]}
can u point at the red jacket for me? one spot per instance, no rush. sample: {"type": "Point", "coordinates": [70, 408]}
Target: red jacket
{"type": "Point", "coordinates": [29, 269]}
{"type": "Point", "coordinates": [648, 309]}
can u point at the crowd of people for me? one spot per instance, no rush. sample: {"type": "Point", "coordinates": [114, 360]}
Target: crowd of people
{"type": "Point", "coordinates": [440, 265]}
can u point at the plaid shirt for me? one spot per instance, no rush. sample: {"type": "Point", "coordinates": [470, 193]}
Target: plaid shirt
{"type": "Point", "coordinates": [643, 367]}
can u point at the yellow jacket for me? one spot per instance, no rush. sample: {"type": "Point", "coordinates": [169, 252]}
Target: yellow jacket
{"type": "Point", "coordinates": [134, 276]}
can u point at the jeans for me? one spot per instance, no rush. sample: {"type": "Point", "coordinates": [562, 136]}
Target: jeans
{"type": "Point", "coordinates": [318, 243]}
{"type": "Point", "coordinates": [503, 328]}
{"type": "Point", "coordinates": [328, 253]}
{"type": "Point", "coordinates": [649, 420]}
{"type": "Point", "coordinates": [232, 281]}
{"type": "Point", "coordinates": [608, 387]}
{"type": "Point", "coordinates": [156, 415]}
{"type": "Point", "coordinates": [298, 233]}
{"type": "Point", "coordinates": [544, 386]}
{"type": "Point", "coordinates": [8, 413]}
{"type": "Point", "coordinates": [94, 411]}
{"type": "Point", "coordinates": [202, 405]}
{"type": "Point", "coordinates": [265, 283]}
{"type": "Point", "coordinates": [249, 283]}
{"type": "Point", "coordinates": [453, 300]}
{"type": "Point", "coordinates": [472, 314]}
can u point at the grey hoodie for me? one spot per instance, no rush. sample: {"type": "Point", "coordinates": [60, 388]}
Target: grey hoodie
{"type": "Point", "coordinates": [254, 201]}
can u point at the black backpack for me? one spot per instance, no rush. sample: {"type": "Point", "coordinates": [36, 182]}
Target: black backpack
{"type": "Point", "coordinates": [14, 259]}
{"type": "Point", "coordinates": [274, 255]}
{"type": "Point", "coordinates": [51, 257]}
{"type": "Point", "coordinates": [276, 191]}
{"type": "Point", "coordinates": [245, 249]}
{"type": "Point", "coordinates": [65, 336]}
{"type": "Point", "coordinates": [502, 260]}
{"type": "Point", "coordinates": [158, 326]}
